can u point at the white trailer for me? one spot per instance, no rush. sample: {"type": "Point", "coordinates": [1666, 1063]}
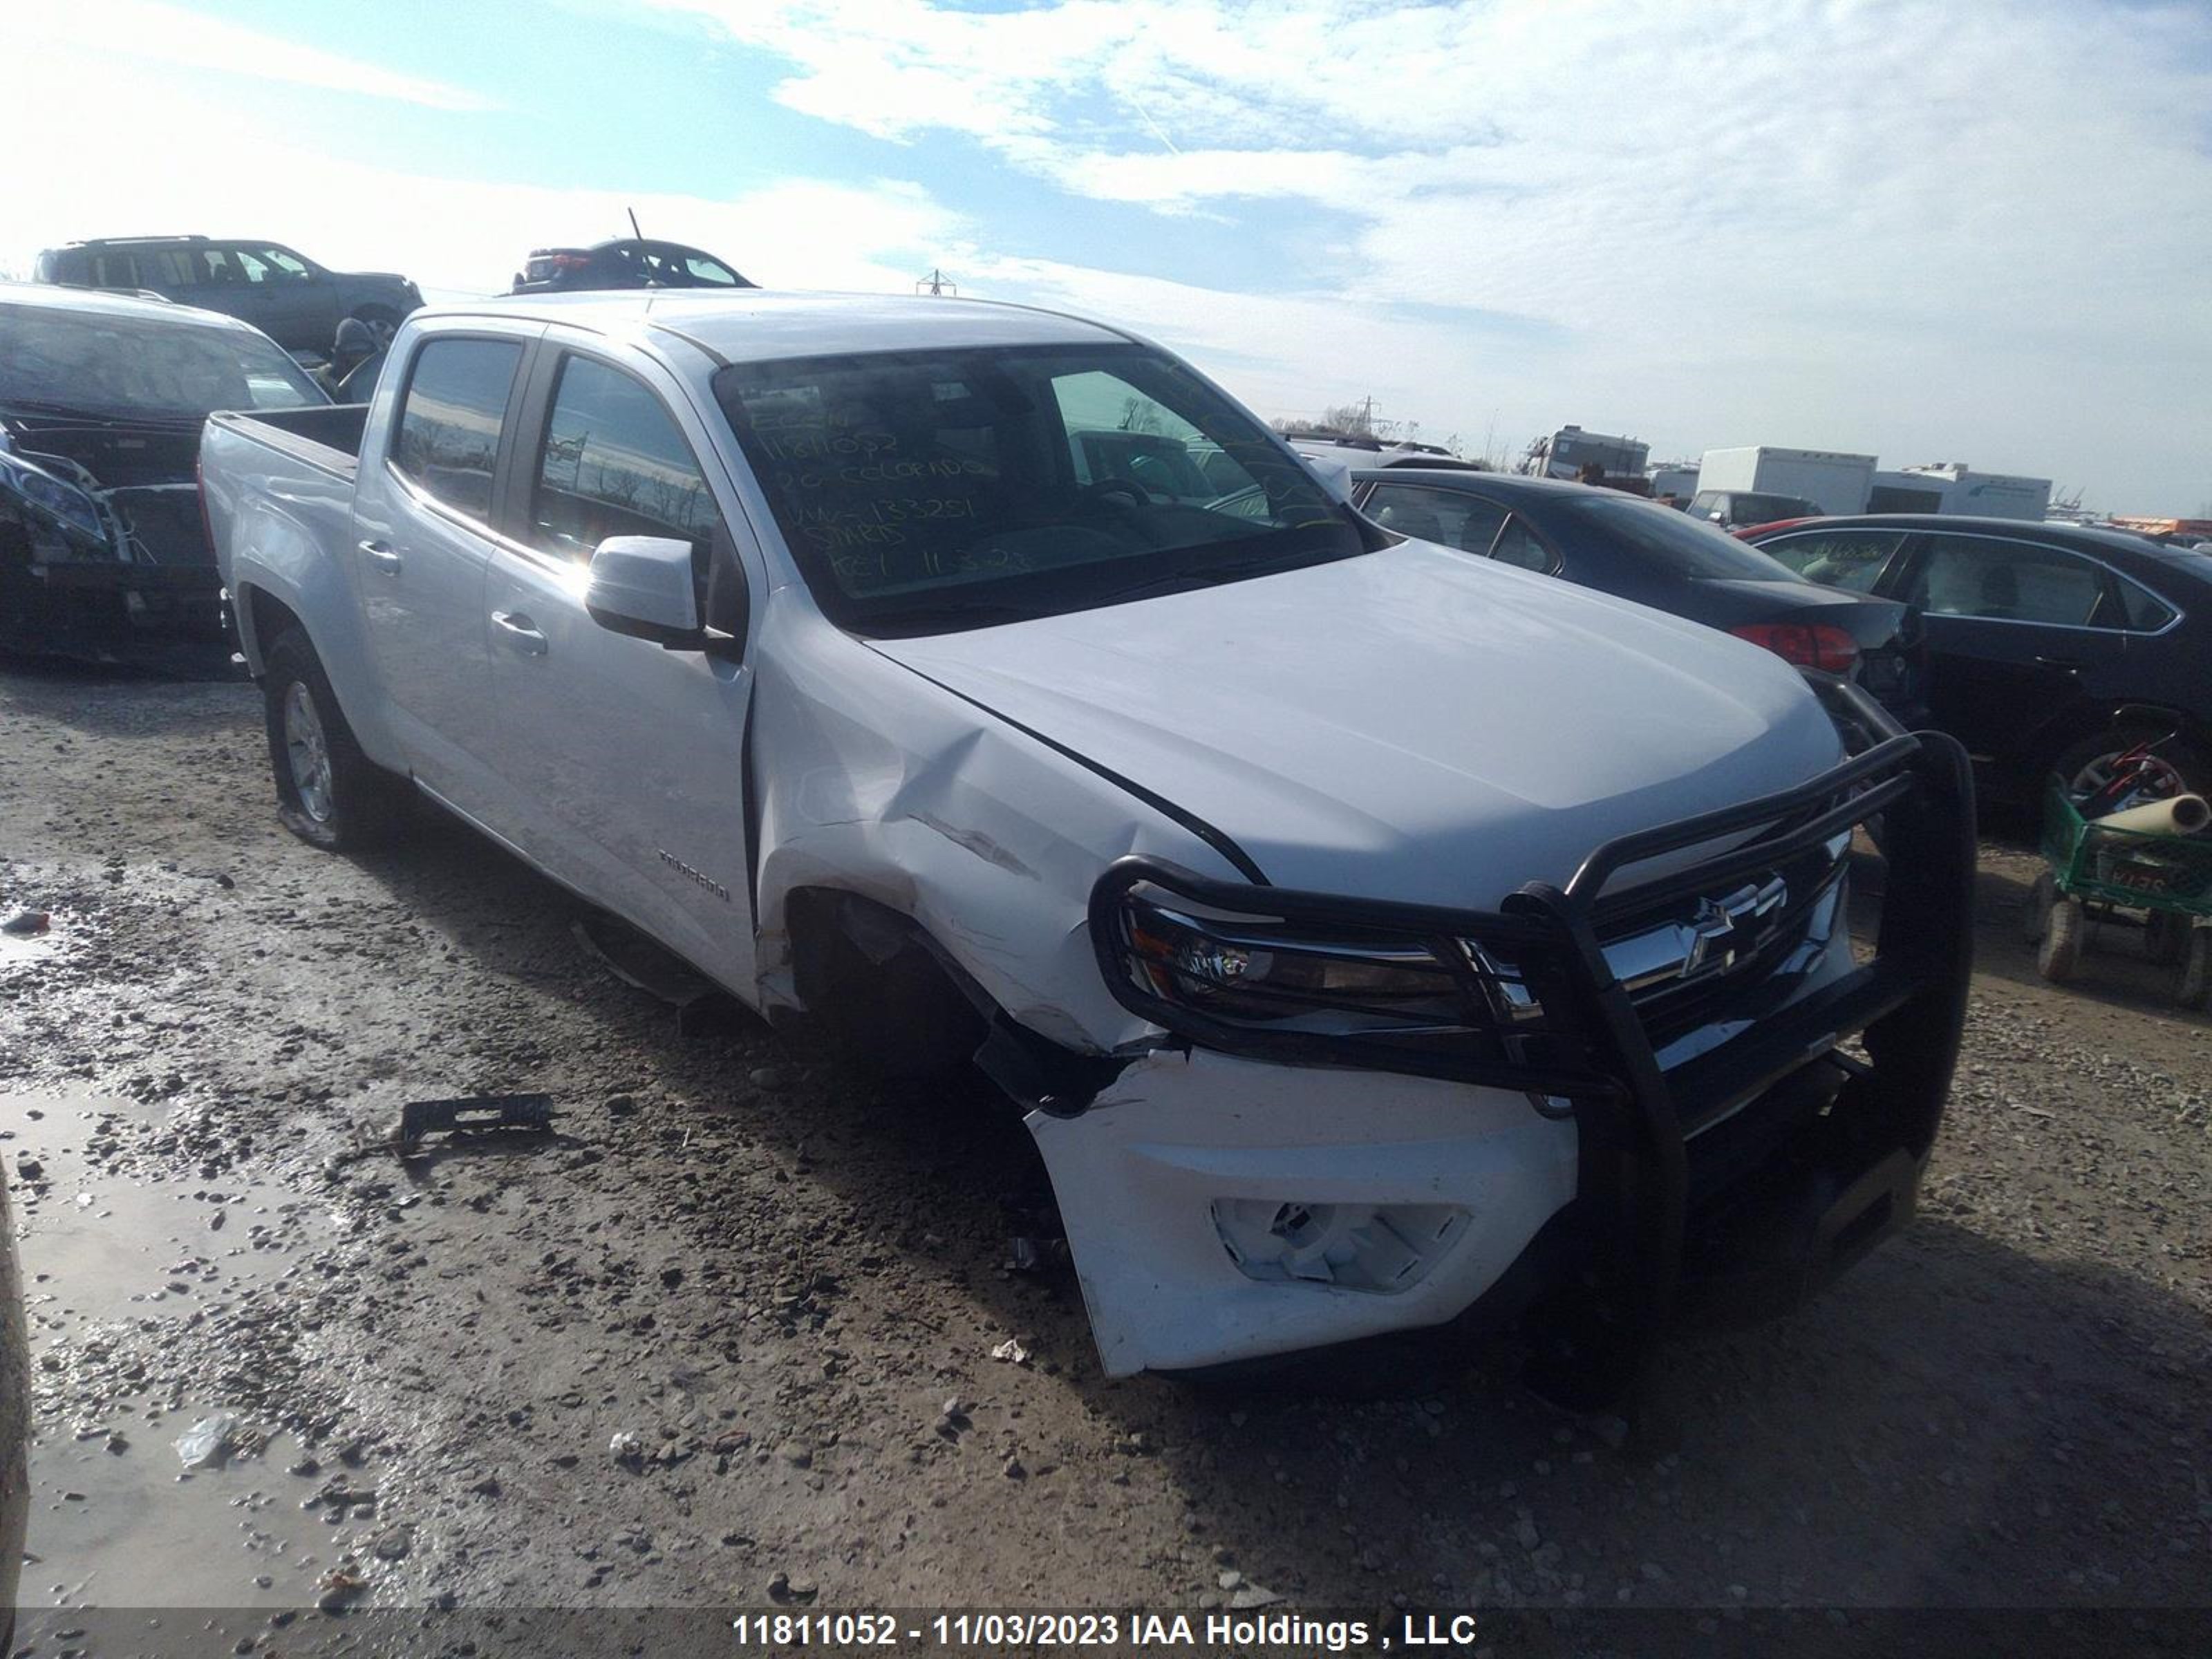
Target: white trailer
{"type": "Point", "coordinates": [1834, 481]}
{"type": "Point", "coordinates": [1955, 487]}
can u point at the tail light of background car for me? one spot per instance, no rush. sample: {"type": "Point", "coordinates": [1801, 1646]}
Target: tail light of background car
{"type": "Point", "coordinates": [1805, 645]}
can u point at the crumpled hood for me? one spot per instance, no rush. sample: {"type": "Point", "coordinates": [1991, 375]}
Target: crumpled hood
{"type": "Point", "coordinates": [1411, 724]}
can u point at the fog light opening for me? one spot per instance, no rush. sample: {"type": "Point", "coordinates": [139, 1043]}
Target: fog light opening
{"type": "Point", "coordinates": [1377, 1248]}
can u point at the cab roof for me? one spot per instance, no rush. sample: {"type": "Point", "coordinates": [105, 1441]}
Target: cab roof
{"type": "Point", "coordinates": [109, 302]}
{"type": "Point", "coordinates": [761, 326]}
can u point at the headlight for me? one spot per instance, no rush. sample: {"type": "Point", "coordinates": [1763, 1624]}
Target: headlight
{"type": "Point", "coordinates": [1254, 972]}
{"type": "Point", "coordinates": [63, 502]}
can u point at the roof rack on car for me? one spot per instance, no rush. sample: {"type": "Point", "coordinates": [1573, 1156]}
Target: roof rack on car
{"type": "Point", "coordinates": [115, 241]}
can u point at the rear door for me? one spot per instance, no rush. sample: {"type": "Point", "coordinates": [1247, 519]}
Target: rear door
{"type": "Point", "coordinates": [423, 508]}
{"type": "Point", "coordinates": [624, 761]}
{"type": "Point", "coordinates": [2012, 627]}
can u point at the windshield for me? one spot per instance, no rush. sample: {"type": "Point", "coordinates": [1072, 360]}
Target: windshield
{"type": "Point", "coordinates": [1669, 542]}
{"type": "Point", "coordinates": [105, 363]}
{"type": "Point", "coordinates": [924, 491]}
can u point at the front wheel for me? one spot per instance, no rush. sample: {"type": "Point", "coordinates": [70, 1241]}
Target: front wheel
{"type": "Point", "coordinates": [2192, 985]}
{"type": "Point", "coordinates": [329, 794]}
{"type": "Point", "coordinates": [2065, 925]}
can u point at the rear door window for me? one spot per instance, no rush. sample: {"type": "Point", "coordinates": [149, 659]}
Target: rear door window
{"type": "Point", "coordinates": [2008, 581]}
{"type": "Point", "coordinates": [1850, 559]}
{"type": "Point", "coordinates": [1449, 518]}
{"type": "Point", "coordinates": [1520, 546]}
{"type": "Point", "coordinates": [447, 439]}
{"type": "Point", "coordinates": [167, 268]}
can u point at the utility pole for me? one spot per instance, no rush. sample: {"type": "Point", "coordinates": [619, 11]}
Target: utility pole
{"type": "Point", "coordinates": [937, 284]}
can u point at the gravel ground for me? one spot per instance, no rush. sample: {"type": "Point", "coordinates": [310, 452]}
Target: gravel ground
{"type": "Point", "coordinates": [787, 1287]}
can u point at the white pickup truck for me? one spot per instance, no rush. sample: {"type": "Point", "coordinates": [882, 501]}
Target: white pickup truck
{"type": "Point", "coordinates": [1380, 938]}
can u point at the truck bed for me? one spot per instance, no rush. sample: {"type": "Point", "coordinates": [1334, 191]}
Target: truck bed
{"type": "Point", "coordinates": [326, 437]}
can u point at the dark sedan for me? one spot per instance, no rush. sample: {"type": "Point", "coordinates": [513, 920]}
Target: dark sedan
{"type": "Point", "coordinates": [1638, 549]}
{"type": "Point", "coordinates": [2050, 646]}
{"type": "Point", "coordinates": [628, 262]}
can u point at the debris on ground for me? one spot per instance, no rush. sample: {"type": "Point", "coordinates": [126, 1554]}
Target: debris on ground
{"type": "Point", "coordinates": [24, 922]}
{"type": "Point", "coordinates": [626, 1448]}
{"type": "Point", "coordinates": [418, 1118]}
{"type": "Point", "coordinates": [208, 1442]}
{"type": "Point", "coordinates": [463, 1117]}
{"type": "Point", "coordinates": [1012, 1352]}
{"type": "Point", "coordinates": [781, 1588]}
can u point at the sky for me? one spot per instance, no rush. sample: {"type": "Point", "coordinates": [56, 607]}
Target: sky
{"type": "Point", "coordinates": [1975, 233]}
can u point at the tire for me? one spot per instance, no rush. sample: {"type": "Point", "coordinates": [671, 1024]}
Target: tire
{"type": "Point", "coordinates": [329, 794]}
{"type": "Point", "coordinates": [2190, 769]}
{"type": "Point", "coordinates": [2063, 932]}
{"type": "Point", "coordinates": [2041, 898]}
{"type": "Point", "coordinates": [2192, 985]}
{"type": "Point", "coordinates": [2166, 938]}
{"type": "Point", "coordinates": [383, 322]}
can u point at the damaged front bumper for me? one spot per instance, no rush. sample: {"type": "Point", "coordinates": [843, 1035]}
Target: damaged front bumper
{"type": "Point", "coordinates": [1653, 1152]}
{"type": "Point", "coordinates": [107, 610]}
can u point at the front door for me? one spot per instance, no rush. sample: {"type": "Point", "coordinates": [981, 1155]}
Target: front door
{"type": "Point", "coordinates": [2012, 626]}
{"type": "Point", "coordinates": [301, 306]}
{"type": "Point", "coordinates": [422, 515]}
{"type": "Point", "coordinates": [625, 761]}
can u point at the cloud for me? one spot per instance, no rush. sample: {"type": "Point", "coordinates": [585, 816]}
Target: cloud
{"type": "Point", "coordinates": [187, 39]}
{"type": "Point", "coordinates": [1898, 224]}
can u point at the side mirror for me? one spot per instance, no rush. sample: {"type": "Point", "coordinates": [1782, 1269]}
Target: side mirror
{"type": "Point", "coordinates": [643, 586]}
{"type": "Point", "coordinates": [1717, 518]}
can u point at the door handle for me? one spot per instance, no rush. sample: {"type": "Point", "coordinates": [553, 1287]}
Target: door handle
{"type": "Point", "coordinates": [382, 556]}
{"type": "Point", "coordinates": [2067, 664]}
{"type": "Point", "coordinates": [518, 634]}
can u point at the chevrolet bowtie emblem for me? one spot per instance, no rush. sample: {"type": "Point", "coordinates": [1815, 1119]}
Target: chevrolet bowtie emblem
{"type": "Point", "coordinates": [1721, 929]}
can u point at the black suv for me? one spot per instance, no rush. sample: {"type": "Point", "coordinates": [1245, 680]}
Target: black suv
{"type": "Point", "coordinates": [287, 296]}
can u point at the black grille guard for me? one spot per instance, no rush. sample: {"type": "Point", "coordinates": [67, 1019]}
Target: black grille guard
{"type": "Point", "coordinates": [1634, 1121]}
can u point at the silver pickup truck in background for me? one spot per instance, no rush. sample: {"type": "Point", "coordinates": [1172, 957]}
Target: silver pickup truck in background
{"type": "Point", "coordinates": [1379, 940]}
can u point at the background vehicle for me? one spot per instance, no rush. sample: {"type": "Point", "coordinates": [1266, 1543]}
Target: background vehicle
{"type": "Point", "coordinates": [1643, 551]}
{"type": "Point", "coordinates": [819, 638]}
{"type": "Point", "coordinates": [626, 262]}
{"type": "Point", "coordinates": [1831, 481]}
{"type": "Point", "coordinates": [2050, 646]}
{"type": "Point", "coordinates": [287, 296]}
{"type": "Point", "coordinates": [1678, 480]}
{"type": "Point", "coordinates": [1357, 452]}
{"type": "Point", "coordinates": [1739, 509]}
{"type": "Point", "coordinates": [1565, 453]}
{"type": "Point", "coordinates": [1953, 487]}
{"type": "Point", "coordinates": [103, 551]}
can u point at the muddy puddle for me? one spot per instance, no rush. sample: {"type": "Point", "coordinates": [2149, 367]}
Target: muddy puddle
{"type": "Point", "coordinates": [121, 1255]}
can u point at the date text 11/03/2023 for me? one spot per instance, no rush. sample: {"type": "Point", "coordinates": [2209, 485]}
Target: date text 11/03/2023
{"type": "Point", "coordinates": [970, 1631]}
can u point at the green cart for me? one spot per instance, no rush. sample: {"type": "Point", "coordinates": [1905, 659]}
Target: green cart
{"type": "Point", "coordinates": [2160, 883]}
